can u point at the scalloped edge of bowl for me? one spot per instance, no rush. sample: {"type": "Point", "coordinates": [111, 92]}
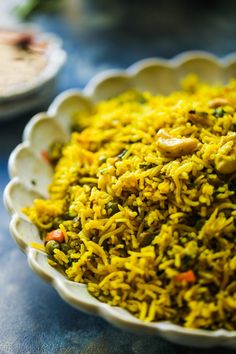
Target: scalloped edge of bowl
{"type": "Point", "coordinates": [114, 315]}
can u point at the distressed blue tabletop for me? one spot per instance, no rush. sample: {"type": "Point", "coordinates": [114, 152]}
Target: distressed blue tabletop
{"type": "Point", "coordinates": [97, 35]}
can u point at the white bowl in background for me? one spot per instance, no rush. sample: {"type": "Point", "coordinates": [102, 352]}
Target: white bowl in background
{"type": "Point", "coordinates": [38, 91]}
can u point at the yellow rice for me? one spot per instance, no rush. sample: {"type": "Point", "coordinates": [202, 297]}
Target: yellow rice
{"type": "Point", "coordinates": [135, 217]}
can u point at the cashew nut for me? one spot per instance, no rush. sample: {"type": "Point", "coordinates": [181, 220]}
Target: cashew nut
{"type": "Point", "coordinates": [225, 160]}
{"type": "Point", "coordinates": [199, 118]}
{"type": "Point", "coordinates": [175, 147]}
{"type": "Point", "coordinates": [218, 102]}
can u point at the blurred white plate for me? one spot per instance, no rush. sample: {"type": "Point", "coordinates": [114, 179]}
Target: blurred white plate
{"type": "Point", "coordinates": [36, 92]}
{"type": "Point", "coordinates": [26, 165]}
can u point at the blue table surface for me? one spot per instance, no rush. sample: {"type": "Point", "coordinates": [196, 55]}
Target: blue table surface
{"type": "Point", "coordinates": [97, 35]}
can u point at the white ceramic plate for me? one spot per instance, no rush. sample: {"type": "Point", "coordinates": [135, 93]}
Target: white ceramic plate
{"type": "Point", "coordinates": [37, 92]}
{"type": "Point", "coordinates": [26, 165]}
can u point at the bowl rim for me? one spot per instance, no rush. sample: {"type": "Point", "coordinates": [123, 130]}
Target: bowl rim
{"type": "Point", "coordinates": [104, 310]}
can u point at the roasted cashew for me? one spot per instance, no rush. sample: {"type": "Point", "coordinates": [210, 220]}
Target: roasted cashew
{"type": "Point", "coordinates": [225, 160]}
{"type": "Point", "coordinates": [175, 147]}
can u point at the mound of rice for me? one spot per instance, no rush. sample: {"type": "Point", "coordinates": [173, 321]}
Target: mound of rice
{"type": "Point", "coordinates": [144, 195]}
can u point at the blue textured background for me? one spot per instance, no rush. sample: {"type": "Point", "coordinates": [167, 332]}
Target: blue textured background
{"type": "Point", "coordinates": [97, 35]}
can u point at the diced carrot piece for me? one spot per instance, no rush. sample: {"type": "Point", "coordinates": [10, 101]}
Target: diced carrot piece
{"type": "Point", "coordinates": [45, 156]}
{"type": "Point", "coordinates": [56, 235]}
{"type": "Point", "coordinates": [189, 277]}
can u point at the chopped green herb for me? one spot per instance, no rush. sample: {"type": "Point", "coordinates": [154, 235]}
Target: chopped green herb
{"type": "Point", "coordinates": [122, 154]}
{"type": "Point", "coordinates": [76, 127]}
{"type": "Point", "coordinates": [102, 159]}
{"type": "Point", "coordinates": [147, 166]}
{"type": "Point", "coordinates": [218, 112]}
{"type": "Point", "coordinates": [146, 238]}
{"type": "Point", "coordinates": [112, 208]}
{"type": "Point", "coordinates": [130, 141]}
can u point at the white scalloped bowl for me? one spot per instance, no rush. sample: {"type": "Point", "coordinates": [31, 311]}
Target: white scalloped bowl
{"type": "Point", "coordinates": [26, 164]}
